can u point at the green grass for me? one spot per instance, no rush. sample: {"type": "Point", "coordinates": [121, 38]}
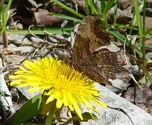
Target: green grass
{"type": "Point", "coordinates": [42, 31]}
{"type": "Point", "coordinates": [4, 15]}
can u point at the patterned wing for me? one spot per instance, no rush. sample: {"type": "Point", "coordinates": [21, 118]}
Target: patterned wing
{"type": "Point", "coordinates": [89, 38]}
{"type": "Point", "coordinates": [99, 65]}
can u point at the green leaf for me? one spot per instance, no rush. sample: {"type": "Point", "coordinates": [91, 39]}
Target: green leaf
{"type": "Point", "coordinates": [57, 115]}
{"type": "Point", "coordinates": [53, 109]}
{"type": "Point", "coordinates": [68, 8]}
{"type": "Point", "coordinates": [93, 8]}
{"type": "Point", "coordinates": [103, 3]}
{"type": "Point", "coordinates": [138, 50]}
{"type": "Point", "coordinates": [30, 109]}
{"type": "Point", "coordinates": [137, 15]}
{"type": "Point", "coordinates": [148, 46]}
{"type": "Point", "coordinates": [143, 80]}
{"type": "Point", "coordinates": [120, 37]}
{"type": "Point", "coordinates": [108, 5]}
{"type": "Point", "coordinates": [86, 116]}
{"type": "Point", "coordinates": [90, 7]}
{"type": "Point", "coordinates": [1, 92]}
{"type": "Point", "coordinates": [41, 31]}
{"type": "Point", "coordinates": [66, 17]}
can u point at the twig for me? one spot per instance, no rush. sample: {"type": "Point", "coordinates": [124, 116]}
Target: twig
{"type": "Point", "coordinates": [5, 41]}
{"type": "Point", "coordinates": [123, 111]}
{"type": "Point", "coordinates": [34, 34]}
{"type": "Point", "coordinates": [2, 69]}
{"type": "Point", "coordinates": [135, 80]}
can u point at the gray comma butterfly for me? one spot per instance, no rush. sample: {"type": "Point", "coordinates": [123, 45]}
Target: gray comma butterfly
{"type": "Point", "coordinates": [98, 64]}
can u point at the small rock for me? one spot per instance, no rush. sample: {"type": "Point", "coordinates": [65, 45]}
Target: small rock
{"type": "Point", "coordinates": [118, 86]}
{"type": "Point", "coordinates": [149, 56]}
{"type": "Point", "coordinates": [26, 49]}
{"type": "Point", "coordinates": [13, 48]}
{"type": "Point", "coordinates": [18, 39]}
{"type": "Point", "coordinates": [14, 59]}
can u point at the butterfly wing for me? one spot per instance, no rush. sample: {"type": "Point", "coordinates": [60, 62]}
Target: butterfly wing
{"type": "Point", "coordinates": [98, 65]}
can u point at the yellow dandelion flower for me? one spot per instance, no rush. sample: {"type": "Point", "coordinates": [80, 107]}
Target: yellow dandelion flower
{"type": "Point", "coordinates": [62, 83]}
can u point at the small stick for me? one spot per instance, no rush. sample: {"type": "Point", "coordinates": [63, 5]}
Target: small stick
{"type": "Point", "coordinates": [123, 111]}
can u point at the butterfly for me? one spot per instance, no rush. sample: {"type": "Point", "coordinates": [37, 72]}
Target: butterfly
{"type": "Point", "coordinates": [90, 55]}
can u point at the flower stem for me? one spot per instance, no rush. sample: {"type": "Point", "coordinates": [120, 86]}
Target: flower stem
{"type": "Point", "coordinates": [52, 111]}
